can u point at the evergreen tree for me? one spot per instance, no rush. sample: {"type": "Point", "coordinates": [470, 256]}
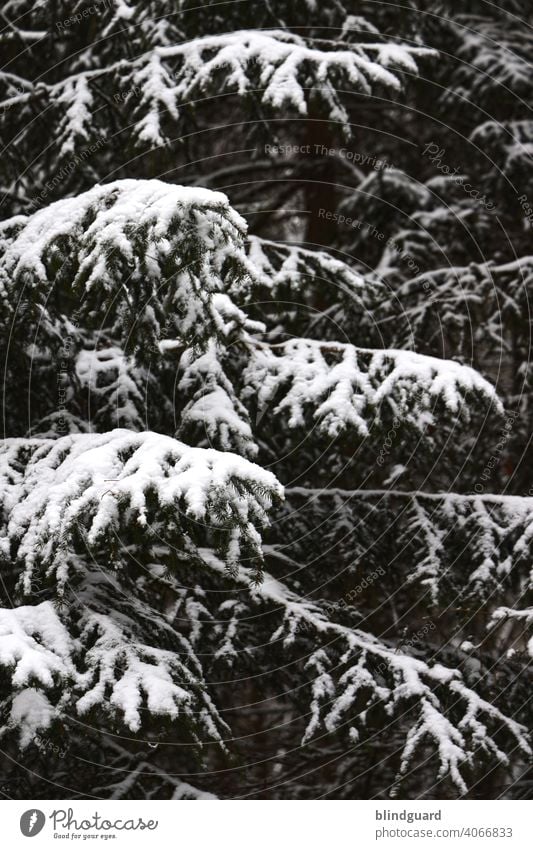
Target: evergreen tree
{"type": "Point", "coordinates": [266, 400]}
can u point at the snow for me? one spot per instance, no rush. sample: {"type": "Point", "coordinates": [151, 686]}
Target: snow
{"type": "Point", "coordinates": [349, 392]}
{"type": "Point", "coordinates": [119, 250]}
{"type": "Point", "coordinates": [287, 68]}
{"type": "Point", "coordinates": [78, 116]}
{"type": "Point", "coordinates": [103, 528]}
{"type": "Point", "coordinates": [284, 65]}
{"type": "Point", "coordinates": [157, 94]}
{"type": "Point", "coordinates": [150, 204]}
{"type": "Point", "coordinates": [40, 660]}
{"type": "Point", "coordinates": [285, 266]}
{"type": "Point", "coordinates": [121, 789]}
{"type": "Point", "coordinates": [524, 618]}
{"type": "Point", "coordinates": [30, 713]}
{"type": "Point", "coordinates": [130, 671]}
{"type": "Point", "coordinates": [117, 672]}
{"type": "Point", "coordinates": [109, 374]}
{"type": "Point", "coordinates": [492, 59]}
{"type": "Point", "coordinates": [36, 651]}
{"type": "Point", "coordinates": [88, 481]}
{"type": "Point", "coordinates": [214, 408]}
{"type": "Point", "coordinates": [394, 55]}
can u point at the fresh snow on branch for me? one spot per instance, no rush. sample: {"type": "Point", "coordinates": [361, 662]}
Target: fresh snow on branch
{"type": "Point", "coordinates": [99, 485]}
{"type": "Point", "coordinates": [287, 69]}
{"type": "Point", "coordinates": [352, 668]}
{"type": "Point", "coordinates": [477, 303]}
{"type": "Point", "coordinates": [284, 66]}
{"type": "Point", "coordinates": [105, 669]}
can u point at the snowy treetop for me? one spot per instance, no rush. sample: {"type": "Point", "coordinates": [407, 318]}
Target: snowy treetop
{"type": "Point", "coordinates": [291, 280]}
{"type": "Point", "coordinates": [160, 264]}
{"type": "Point", "coordinates": [154, 252]}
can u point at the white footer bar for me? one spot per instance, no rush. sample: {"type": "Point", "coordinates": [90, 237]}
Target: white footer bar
{"type": "Point", "coordinates": [269, 824]}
